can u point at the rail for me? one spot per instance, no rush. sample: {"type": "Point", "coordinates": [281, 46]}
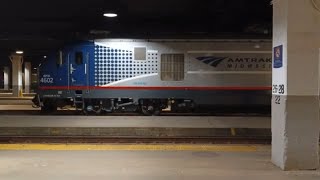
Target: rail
{"type": "Point", "coordinates": [135, 140]}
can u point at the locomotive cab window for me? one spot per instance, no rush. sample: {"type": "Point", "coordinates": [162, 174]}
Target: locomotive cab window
{"type": "Point", "coordinates": [79, 58]}
{"type": "Point", "coordinates": [172, 67]}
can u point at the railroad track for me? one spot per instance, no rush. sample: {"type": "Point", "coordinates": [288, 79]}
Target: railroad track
{"type": "Point", "coordinates": [134, 140]}
{"type": "Point", "coordinates": [75, 113]}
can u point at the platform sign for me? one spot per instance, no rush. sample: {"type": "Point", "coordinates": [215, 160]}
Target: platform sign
{"type": "Point", "coordinates": [278, 57]}
{"type": "Point", "coordinates": [278, 74]}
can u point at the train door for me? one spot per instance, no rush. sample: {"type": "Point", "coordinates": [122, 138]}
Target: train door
{"type": "Point", "coordinates": [78, 69]}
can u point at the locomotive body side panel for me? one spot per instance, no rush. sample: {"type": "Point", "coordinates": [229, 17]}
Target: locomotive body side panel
{"type": "Point", "coordinates": [205, 64]}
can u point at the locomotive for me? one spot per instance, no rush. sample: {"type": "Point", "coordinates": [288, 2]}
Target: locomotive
{"type": "Point", "coordinates": [148, 76]}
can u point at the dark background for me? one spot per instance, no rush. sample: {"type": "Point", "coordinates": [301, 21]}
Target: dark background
{"type": "Point", "coordinates": [38, 26]}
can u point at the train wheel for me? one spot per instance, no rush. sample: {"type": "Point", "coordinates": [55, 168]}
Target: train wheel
{"type": "Point", "coordinates": [150, 110]}
{"type": "Point", "coordinates": [48, 107]}
{"type": "Point", "coordinates": [150, 107]}
{"type": "Point", "coordinates": [89, 109]}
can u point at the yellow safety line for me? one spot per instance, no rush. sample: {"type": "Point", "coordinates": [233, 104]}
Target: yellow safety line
{"type": "Point", "coordinates": [122, 147]}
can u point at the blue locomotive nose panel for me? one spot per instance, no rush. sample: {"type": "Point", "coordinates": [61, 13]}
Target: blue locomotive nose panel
{"type": "Point", "coordinates": [48, 72]}
{"type": "Point", "coordinates": [68, 68]}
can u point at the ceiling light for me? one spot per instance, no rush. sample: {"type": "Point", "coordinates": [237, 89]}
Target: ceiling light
{"type": "Point", "coordinates": [44, 57]}
{"type": "Point", "coordinates": [19, 52]}
{"type": "Point", "coordinates": [110, 14]}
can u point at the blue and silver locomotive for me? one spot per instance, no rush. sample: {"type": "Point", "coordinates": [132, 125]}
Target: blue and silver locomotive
{"type": "Point", "coordinates": [151, 75]}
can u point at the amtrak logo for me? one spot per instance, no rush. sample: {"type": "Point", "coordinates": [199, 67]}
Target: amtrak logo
{"type": "Point", "coordinates": [211, 60]}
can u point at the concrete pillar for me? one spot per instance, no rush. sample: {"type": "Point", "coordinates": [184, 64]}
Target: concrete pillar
{"type": "Point", "coordinates": [6, 75]}
{"type": "Point", "coordinates": [17, 61]}
{"type": "Point", "coordinates": [295, 100]}
{"type": "Point", "coordinates": [27, 77]}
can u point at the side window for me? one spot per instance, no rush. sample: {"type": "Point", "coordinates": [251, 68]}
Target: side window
{"type": "Point", "coordinates": [59, 58]}
{"type": "Point", "coordinates": [79, 58]}
{"type": "Point", "coordinates": [172, 67]}
{"type": "Point", "coordinates": [140, 53]}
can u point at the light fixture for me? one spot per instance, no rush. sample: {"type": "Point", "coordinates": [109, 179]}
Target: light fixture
{"type": "Point", "coordinates": [19, 52]}
{"type": "Point", "coordinates": [110, 15]}
{"type": "Point", "coordinates": [45, 57]}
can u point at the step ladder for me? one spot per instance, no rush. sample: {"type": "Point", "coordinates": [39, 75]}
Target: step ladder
{"type": "Point", "coordinates": [78, 101]}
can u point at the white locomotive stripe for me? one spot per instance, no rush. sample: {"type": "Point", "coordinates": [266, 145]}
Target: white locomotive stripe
{"type": "Point", "coordinates": [229, 72]}
{"type": "Point", "coordinates": [129, 79]}
{"type": "Point", "coordinates": [232, 52]}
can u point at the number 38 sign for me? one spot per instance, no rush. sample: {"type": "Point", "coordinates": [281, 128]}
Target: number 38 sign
{"type": "Point", "coordinates": [278, 90]}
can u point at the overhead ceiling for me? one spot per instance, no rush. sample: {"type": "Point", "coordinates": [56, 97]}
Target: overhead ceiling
{"type": "Point", "coordinates": [37, 26]}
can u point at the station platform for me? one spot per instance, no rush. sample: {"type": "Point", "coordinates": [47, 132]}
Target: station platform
{"type": "Point", "coordinates": [137, 162]}
{"type": "Point", "coordinates": [16, 103]}
{"type": "Point", "coordinates": [134, 126]}
{"type": "Point", "coordinates": [9, 94]}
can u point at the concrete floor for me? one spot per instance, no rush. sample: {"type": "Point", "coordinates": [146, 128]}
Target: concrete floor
{"type": "Point", "coordinates": [143, 165]}
{"type": "Point", "coordinates": [135, 121]}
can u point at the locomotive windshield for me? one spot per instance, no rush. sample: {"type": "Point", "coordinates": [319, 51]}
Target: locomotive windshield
{"type": "Point", "coordinates": [79, 58]}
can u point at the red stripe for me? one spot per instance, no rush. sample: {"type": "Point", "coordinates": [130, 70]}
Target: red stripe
{"type": "Point", "coordinates": [152, 88]}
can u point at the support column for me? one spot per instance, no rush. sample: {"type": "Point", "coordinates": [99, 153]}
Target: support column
{"type": "Point", "coordinates": [27, 77]}
{"type": "Point", "coordinates": [6, 75]}
{"type": "Point", "coordinates": [295, 100]}
{"type": "Point", "coordinates": [17, 61]}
